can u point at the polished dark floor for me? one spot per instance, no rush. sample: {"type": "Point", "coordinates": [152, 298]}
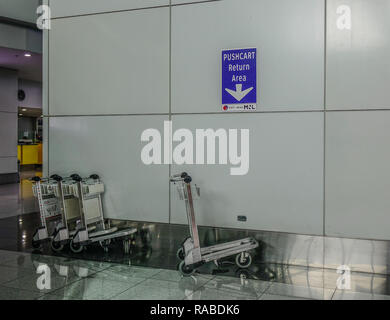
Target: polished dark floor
{"type": "Point", "coordinates": [285, 266]}
{"type": "Point", "coordinates": [155, 246]}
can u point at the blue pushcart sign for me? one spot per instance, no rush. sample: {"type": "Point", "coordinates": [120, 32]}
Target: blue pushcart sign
{"type": "Point", "coordinates": [239, 79]}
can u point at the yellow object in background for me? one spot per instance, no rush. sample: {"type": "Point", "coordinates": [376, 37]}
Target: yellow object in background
{"type": "Point", "coordinates": [30, 154]}
{"type": "Point", "coordinates": [20, 153]}
{"type": "Point", "coordinates": [40, 153]}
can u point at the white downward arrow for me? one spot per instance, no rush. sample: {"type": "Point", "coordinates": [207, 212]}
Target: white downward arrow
{"type": "Point", "coordinates": [239, 94]}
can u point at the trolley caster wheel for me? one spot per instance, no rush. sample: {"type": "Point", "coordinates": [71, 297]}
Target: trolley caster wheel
{"type": "Point", "coordinates": [184, 270]}
{"type": "Point", "coordinates": [36, 244]}
{"type": "Point", "coordinates": [76, 247]}
{"type": "Point", "coordinates": [57, 246]}
{"type": "Point", "coordinates": [180, 254]}
{"type": "Point", "coordinates": [243, 274]}
{"type": "Point", "coordinates": [243, 260]}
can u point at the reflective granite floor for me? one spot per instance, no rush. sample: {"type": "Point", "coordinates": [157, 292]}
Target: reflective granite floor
{"type": "Point", "coordinates": [284, 266]}
{"type": "Point", "coordinates": [149, 271]}
{"type": "Point", "coordinates": [17, 198]}
{"type": "Point", "coordinates": [34, 276]}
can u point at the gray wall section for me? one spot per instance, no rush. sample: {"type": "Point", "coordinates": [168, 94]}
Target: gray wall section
{"type": "Point", "coordinates": [289, 37]}
{"type": "Point", "coordinates": [357, 142]}
{"type": "Point", "coordinates": [61, 8]}
{"type": "Point", "coordinates": [127, 73]}
{"type": "Point", "coordinates": [358, 178]}
{"type": "Point", "coordinates": [358, 64]}
{"type": "Point", "coordinates": [272, 195]}
{"type": "Point", "coordinates": [8, 90]}
{"type": "Point", "coordinates": [169, 64]}
{"type": "Point", "coordinates": [24, 10]}
{"type": "Point", "coordinates": [8, 120]}
{"type": "Point", "coordinates": [15, 37]}
{"type": "Point", "coordinates": [110, 146]}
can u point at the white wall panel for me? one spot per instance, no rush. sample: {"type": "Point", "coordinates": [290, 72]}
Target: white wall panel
{"type": "Point", "coordinates": [357, 174]}
{"type": "Point", "coordinates": [186, 1]}
{"type": "Point", "coordinates": [45, 146]}
{"type": "Point", "coordinates": [289, 36]}
{"type": "Point", "coordinates": [111, 147]}
{"type": "Point", "coordinates": [61, 8]}
{"type": "Point", "coordinates": [110, 64]}
{"type": "Point", "coordinates": [283, 190]}
{"type": "Point", "coordinates": [45, 72]}
{"type": "Point", "coordinates": [358, 65]}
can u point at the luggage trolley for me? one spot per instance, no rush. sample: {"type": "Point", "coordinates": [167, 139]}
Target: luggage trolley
{"type": "Point", "coordinates": [88, 191]}
{"type": "Point", "coordinates": [70, 212]}
{"type": "Point", "coordinates": [191, 254]}
{"type": "Point", "coordinates": [49, 207]}
{"type": "Point", "coordinates": [56, 200]}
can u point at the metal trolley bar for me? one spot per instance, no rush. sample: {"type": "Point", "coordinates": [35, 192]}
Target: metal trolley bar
{"type": "Point", "coordinates": [191, 254]}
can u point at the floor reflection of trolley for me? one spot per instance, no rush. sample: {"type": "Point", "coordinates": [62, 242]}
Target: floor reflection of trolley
{"type": "Point", "coordinates": [89, 191]}
{"type": "Point", "coordinates": [191, 253]}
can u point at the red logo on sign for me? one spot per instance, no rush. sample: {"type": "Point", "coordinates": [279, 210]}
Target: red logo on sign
{"type": "Point", "coordinates": [225, 108]}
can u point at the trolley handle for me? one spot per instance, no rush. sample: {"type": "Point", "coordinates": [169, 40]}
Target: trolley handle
{"type": "Point", "coordinates": [35, 179]}
{"type": "Point", "coordinates": [187, 179]}
{"type": "Point", "coordinates": [76, 177]}
{"type": "Point", "coordinates": [179, 177]}
{"type": "Point", "coordinates": [56, 177]}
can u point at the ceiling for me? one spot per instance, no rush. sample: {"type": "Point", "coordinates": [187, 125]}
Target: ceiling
{"type": "Point", "coordinates": [29, 68]}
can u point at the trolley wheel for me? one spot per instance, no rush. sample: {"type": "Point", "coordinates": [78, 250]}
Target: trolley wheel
{"type": "Point", "coordinates": [56, 246]}
{"type": "Point", "coordinates": [243, 261]}
{"type": "Point", "coordinates": [180, 254]}
{"type": "Point", "coordinates": [184, 270]}
{"type": "Point", "coordinates": [35, 244]}
{"type": "Point", "coordinates": [76, 247]}
{"type": "Point", "coordinates": [105, 244]}
{"type": "Point", "coordinates": [243, 274]}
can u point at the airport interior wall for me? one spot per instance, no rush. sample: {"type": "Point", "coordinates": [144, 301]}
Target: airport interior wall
{"type": "Point", "coordinates": [8, 122]}
{"type": "Point", "coordinates": [319, 147]}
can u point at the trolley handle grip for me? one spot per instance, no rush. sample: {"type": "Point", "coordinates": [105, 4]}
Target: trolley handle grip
{"type": "Point", "coordinates": [56, 177]}
{"type": "Point", "coordinates": [76, 177]}
{"type": "Point", "coordinates": [36, 179]}
{"type": "Point", "coordinates": [179, 176]}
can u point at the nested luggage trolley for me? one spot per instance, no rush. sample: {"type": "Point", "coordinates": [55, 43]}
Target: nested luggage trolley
{"type": "Point", "coordinates": [89, 191]}
{"type": "Point", "coordinates": [191, 253]}
{"type": "Point", "coordinates": [76, 205]}
{"type": "Point", "coordinates": [49, 208]}
{"type": "Point", "coordinates": [67, 227]}
{"type": "Point", "coordinates": [58, 203]}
